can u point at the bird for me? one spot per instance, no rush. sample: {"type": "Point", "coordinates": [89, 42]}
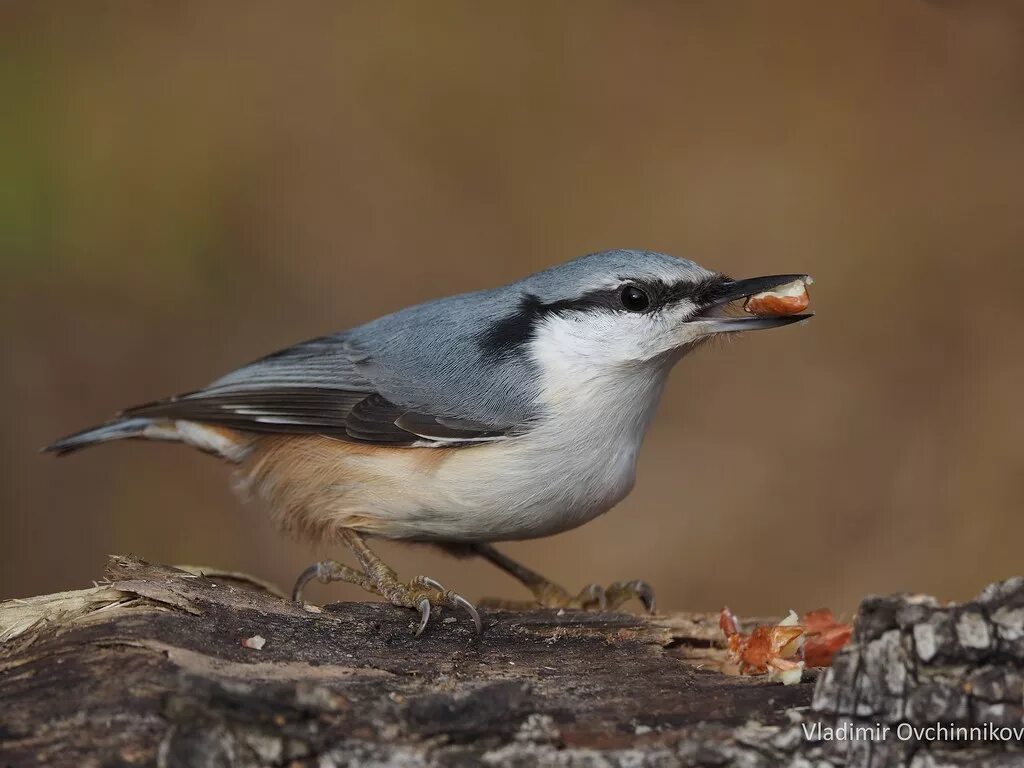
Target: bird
{"type": "Point", "coordinates": [498, 415]}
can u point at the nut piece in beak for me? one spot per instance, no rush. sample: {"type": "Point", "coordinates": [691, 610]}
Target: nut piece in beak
{"type": "Point", "coordinates": [788, 299]}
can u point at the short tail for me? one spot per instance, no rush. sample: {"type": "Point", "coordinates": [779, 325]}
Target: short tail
{"type": "Point", "coordinates": [114, 430]}
{"type": "Point", "coordinates": [226, 443]}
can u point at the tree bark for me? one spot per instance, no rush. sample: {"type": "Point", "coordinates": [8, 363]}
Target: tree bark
{"type": "Point", "coordinates": [152, 667]}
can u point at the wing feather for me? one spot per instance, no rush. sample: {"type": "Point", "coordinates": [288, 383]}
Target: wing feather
{"type": "Point", "coordinates": [315, 388]}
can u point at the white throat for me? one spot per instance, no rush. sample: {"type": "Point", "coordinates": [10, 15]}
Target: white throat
{"type": "Point", "coordinates": [583, 452]}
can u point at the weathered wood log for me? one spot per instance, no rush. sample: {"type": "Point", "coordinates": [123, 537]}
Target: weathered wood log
{"type": "Point", "coordinates": [150, 667]}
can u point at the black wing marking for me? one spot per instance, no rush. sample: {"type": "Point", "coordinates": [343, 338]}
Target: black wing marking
{"type": "Point", "coordinates": [317, 387]}
{"type": "Point", "coordinates": [373, 420]}
{"type": "Point", "coordinates": [446, 429]}
{"type": "Point", "coordinates": [354, 416]}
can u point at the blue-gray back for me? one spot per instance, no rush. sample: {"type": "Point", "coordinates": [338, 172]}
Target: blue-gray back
{"type": "Point", "coordinates": [454, 360]}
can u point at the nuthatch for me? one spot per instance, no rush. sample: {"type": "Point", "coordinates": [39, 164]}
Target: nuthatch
{"type": "Point", "coordinates": [498, 415]}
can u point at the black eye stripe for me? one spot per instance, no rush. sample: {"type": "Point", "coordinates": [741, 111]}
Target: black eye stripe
{"type": "Point", "coordinates": [706, 291]}
{"type": "Point", "coordinates": [508, 335]}
{"type": "Point", "coordinates": [662, 294]}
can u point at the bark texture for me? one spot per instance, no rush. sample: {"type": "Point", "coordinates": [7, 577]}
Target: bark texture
{"type": "Point", "coordinates": [152, 667]}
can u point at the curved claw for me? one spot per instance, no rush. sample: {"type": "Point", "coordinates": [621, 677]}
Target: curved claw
{"type": "Point", "coordinates": [431, 583]}
{"type": "Point", "coordinates": [637, 588]}
{"type": "Point", "coordinates": [646, 594]}
{"type": "Point", "coordinates": [469, 608]}
{"type": "Point", "coordinates": [313, 572]}
{"type": "Point", "coordinates": [445, 597]}
{"type": "Point", "coordinates": [424, 607]}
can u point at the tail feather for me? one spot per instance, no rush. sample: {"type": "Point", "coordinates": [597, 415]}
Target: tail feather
{"type": "Point", "coordinates": [114, 430]}
{"type": "Point", "coordinates": [226, 443]}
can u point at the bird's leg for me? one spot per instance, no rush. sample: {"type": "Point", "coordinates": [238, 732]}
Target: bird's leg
{"type": "Point", "coordinates": [547, 593]}
{"type": "Point", "coordinates": [420, 593]}
{"type": "Point", "coordinates": [550, 595]}
{"type": "Point", "coordinates": [327, 571]}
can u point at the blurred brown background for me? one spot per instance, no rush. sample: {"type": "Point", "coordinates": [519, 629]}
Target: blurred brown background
{"type": "Point", "coordinates": [188, 186]}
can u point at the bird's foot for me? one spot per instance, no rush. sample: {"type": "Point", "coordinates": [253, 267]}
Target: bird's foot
{"type": "Point", "coordinates": [620, 592]}
{"type": "Point", "coordinates": [327, 571]}
{"type": "Point", "coordinates": [592, 597]}
{"type": "Point", "coordinates": [422, 593]}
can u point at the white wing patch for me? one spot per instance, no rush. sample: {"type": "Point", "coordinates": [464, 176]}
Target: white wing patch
{"type": "Point", "coordinates": [209, 439]}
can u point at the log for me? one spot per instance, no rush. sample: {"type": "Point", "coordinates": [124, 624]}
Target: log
{"type": "Point", "coordinates": [164, 666]}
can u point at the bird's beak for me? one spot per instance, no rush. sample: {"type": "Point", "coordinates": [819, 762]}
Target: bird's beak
{"type": "Point", "coordinates": [713, 316]}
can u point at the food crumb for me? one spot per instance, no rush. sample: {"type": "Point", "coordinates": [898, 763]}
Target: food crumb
{"type": "Point", "coordinates": [784, 650]}
{"type": "Point", "coordinates": [256, 642]}
{"type": "Point", "coordinates": [788, 299]}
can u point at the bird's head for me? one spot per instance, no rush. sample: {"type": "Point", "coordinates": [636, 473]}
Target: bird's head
{"type": "Point", "coordinates": [624, 309]}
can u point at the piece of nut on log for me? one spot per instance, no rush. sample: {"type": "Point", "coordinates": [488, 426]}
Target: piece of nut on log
{"type": "Point", "coordinates": [788, 299]}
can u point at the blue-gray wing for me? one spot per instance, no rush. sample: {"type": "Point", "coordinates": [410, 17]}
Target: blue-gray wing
{"type": "Point", "coordinates": [323, 386]}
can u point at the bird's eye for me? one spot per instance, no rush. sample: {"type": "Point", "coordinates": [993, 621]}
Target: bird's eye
{"type": "Point", "coordinates": [634, 299]}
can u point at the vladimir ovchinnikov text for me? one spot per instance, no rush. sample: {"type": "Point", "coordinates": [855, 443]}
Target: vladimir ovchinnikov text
{"type": "Point", "coordinates": [909, 732]}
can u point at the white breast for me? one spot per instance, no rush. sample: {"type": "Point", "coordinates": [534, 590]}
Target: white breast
{"type": "Point", "coordinates": [571, 468]}
{"type": "Point", "coordinates": [577, 462]}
